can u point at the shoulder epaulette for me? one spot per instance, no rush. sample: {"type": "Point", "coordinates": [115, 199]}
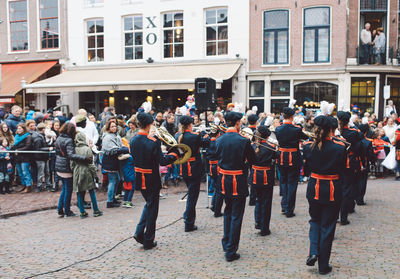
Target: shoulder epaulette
{"type": "Point", "coordinates": [339, 142]}
{"type": "Point", "coordinates": [151, 138]}
{"type": "Point", "coordinates": [308, 142]}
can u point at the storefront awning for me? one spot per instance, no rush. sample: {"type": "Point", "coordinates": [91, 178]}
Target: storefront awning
{"type": "Point", "coordinates": [143, 77]}
{"type": "Point", "coordinates": [12, 74]}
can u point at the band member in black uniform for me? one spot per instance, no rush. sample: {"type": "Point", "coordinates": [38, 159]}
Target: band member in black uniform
{"type": "Point", "coordinates": [326, 158]}
{"type": "Point", "coordinates": [252, 119]}
{"type": "Point", "coordinates": [367, 156]}
{"type": "Point", "coordinates": [350, 186]}
{"type": "Point", "coordinates": [233, 150]}
{"type": "Point", "coordinates": [147, 155]}
{"type": "Point", "coordinates": [262, 179]}
{"type": "Point", "coordinates": [191, 171]}
{"type": "Point", "coordinates": [217, 199]}
{"type": "Point", "coordinates": [289, 160]}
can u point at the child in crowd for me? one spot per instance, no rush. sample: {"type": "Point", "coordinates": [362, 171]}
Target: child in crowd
{"type": "Point", "coordinates": [5, 167]}
{"type": "Point", "coordinates": [84, 176]}
{"type": "Point", "coordinates": [128, 170]}
{"type": "Point", "coordinates": [379, 145]}
{"type": "Point", "coordinates": [164, 170]}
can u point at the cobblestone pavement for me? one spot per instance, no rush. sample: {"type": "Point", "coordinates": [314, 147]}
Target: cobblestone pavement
{"type": "Point", "coordinates": [368, 248]}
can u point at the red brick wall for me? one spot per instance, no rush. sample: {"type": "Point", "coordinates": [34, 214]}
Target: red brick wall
{"type": "Point", "coordinates": [338, 31]}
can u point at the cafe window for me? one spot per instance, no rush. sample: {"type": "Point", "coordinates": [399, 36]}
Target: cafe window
{"type": "Point", "coordinates": [133, 33]}
{"type": "Point", "coordinates": [95, 40]}
{"type": "Point", "coordinates": [173, 34]}
{"type": "Point", "coordinates": [316, 35]}
{"type": "Point", "coordinates": [217, 32]}
{"type": "Point", "coordinates": [314, 93]}
{"type": "Point", "coordinates": [256, 95]}
{"type": "Point", "coordinates": [363, 93]}
{"type": "Point", "coordinates": [280, 88]}
{"type": "Point", "coordinates": [18, 19]}
{"type": "Point", "coordinates": [49, 34]}
{"type": "Point", "coordinates": [277, 105]}
{"type": "Point", "coordinates": [395, 91]}
{"type": "Point", "coordinates": [276, 37]}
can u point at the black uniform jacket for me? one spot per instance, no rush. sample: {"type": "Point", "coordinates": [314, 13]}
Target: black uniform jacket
{"type": "Point", "coordinates": [147, 155]}
{"type": "Point", "coordinates": [289, 136]}
{"type": "Point", "coordinates": [212, 158]}
{"type": "Point", "coordinates": [367, 154]}
{"type": "Point", "coordinates": [192, 168]}
{"type": "Point", "coordinates": [233, 150]}
{"type": "Point", "coordinates": [262, 171]}
{"type": "Point", "coordinates": [353, 136]}
{"type": "Point", "coordinates": [326, 166]}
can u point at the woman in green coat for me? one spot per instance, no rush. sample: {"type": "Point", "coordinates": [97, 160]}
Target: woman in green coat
{"type": "Point", "coordinates": [84, 175]}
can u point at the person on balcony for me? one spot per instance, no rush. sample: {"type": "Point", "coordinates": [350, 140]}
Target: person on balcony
{"type": "Point", "coordinates": [366, 39]}
{"type": "Point", "coordinates": [380, 45]}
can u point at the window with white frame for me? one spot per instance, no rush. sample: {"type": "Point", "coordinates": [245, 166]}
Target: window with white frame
{"type": "Point", "coordinates": [217, 32]}
{"type": "Point", "coordinates": [276, 37]}
{"type": "Point", "coordinates": [48, 16]}
{"type": "Point", "coordinates": [18, 20]}
{"type": "Point", "coordinates": [316, 35]}
{"type": "Point", "coordinates": [173, 34]}
{"type": "Point", "coordinates": [133, 33]}
{"type": "Point", "coordinates": [95, 40]}
{"type": "Point", "coordinates": [256, 95]}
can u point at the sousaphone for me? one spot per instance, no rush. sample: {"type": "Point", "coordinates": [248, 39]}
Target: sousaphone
{"type": "Point", "coordinates": [169, 140]}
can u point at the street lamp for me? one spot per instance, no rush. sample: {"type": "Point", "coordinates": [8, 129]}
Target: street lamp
{"type": "Point", "coordinates": [23, 84]}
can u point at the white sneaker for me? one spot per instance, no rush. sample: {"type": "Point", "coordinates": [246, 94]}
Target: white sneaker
{"type": "Point", "coordinates": [124, 205]}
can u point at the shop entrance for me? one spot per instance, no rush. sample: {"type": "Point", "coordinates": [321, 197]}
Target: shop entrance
{"type": "Point", "coordinates": [310, 94]}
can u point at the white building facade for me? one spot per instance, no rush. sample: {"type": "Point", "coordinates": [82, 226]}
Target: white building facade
{"type": "Point", "coordinates": [122, 51]}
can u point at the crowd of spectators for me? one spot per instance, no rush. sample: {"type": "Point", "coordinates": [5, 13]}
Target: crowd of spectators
{"type": "Point", "coordinates": [72, 153]}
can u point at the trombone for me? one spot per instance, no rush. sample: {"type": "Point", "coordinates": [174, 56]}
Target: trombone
{"type": "Point", "coordinates": [246, 132]}
{"type": "Point", "coordinates": [169, 140]}
{"type": "Point", "coordinates": [312, 135]}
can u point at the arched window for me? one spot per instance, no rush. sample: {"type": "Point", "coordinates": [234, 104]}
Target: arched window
{"type": "Point", "coordinates": [315, 92]}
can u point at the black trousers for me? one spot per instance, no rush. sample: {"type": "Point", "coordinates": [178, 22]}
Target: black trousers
{"type": "Point", "coordinates": [217, 199]}
{"type": "Point", "coordinates": [289, 179]}
{"type": "Point", "coordinates": [362, 186]}
{"type": "Point", "coordinates": [147, 224]}
{"type": "Point", "coordinates": [193, 184]}
{"type": "Point", "coordinates": [322, 231]}
{"type": "Point", "coordinates": [262, 211]}
{"type": "Point", "coordinates": [233, 217]}
{"type": "Point", "coordinates": [348, 189]}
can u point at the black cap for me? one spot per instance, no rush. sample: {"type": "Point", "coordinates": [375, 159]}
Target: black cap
{"type": "Point", "coordinates": [186, 120]}
{"type": "Point", "coordinates": [323, 122]}
{"type": "Point", "coordinates": [363, 128]}
{"type": "Point", "coordinates": [264, 131]}
{"type": "Point", "coordinates": [232, 116]}
{"type": "Point", "coordinates": [334, 122]}
{"type": "Point", "coordinates": [344, 115]}
{"type": "Point", "coordinates": [288, 111]}
{"type": "Point", "coordinates": [144, 118]}
{"type": "Point", "coordinates": [252, 118]}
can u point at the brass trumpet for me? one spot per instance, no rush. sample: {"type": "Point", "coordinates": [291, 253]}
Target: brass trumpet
{"type": "Point", "coordinates": [169, 140]}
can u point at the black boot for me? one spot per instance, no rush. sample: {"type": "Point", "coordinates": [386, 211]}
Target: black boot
{"type": "Point", "coordinates": [1, 188]}
{"type": "Point", "coordinates": [7, 187]}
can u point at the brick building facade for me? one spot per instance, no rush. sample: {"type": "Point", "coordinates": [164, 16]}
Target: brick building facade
{"type": "Point", "coordinates": [309, 50]}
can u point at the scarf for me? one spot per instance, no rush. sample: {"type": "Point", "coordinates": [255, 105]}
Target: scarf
{"type": "Point", "coordinates": [19, 138]}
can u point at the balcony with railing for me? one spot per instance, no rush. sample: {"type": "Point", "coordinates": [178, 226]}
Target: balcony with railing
{"type": "Point", "coordinates": [373, 5]}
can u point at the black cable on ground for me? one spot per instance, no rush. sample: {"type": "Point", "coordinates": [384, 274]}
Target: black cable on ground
{"type": "Point", "coordinates": [98, 256]}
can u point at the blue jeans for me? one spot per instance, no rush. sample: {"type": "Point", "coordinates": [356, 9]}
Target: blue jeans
{"type": "Point", "coordinates": [172, 173]}
{"type": "Point", "coordinates": [113, 180]}
{"type": "Point", "coordinates": [24, 173]}
{"type": "Point", "coordinates": [65, 197]}
{"type": "Point", "coordinates": [128, 195]}
{"type": "Point", "coordinates": [92, 198]}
